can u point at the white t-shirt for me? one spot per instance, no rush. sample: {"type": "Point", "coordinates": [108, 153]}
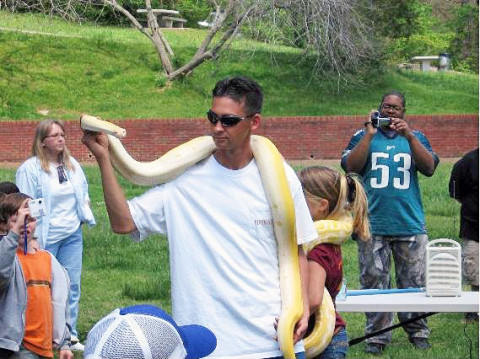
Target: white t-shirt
{"type": "Point", "coordinates": [223, 253]}
{"type": "Point", "coordinates": [64, 219]}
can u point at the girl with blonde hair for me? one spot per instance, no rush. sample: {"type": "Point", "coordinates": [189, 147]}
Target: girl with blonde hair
{"type": "Point", "coordinates": [338, 205]}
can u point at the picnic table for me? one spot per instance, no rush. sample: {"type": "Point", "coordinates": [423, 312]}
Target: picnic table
{"type": "Point", "coordinates": [426, 62]}
{"type": "Point", "coordinates": [168, 21]}
{"type": "Point", "coordinates": [163, 18]}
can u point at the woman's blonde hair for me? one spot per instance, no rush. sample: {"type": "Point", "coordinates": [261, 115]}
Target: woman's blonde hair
{"type": "Point", "coordinates": [38, 149]}
{"type": "Point", "coordinates": [344, 193]}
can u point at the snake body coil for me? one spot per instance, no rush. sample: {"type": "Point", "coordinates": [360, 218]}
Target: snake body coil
{"type": "Point", "coordinates": [270, 164]}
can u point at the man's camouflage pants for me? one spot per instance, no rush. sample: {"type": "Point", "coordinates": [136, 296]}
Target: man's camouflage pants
{"type": "Point", "coordinates": [374, 259]}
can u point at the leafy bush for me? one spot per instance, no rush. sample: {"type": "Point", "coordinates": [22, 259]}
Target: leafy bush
{"type": "Point", "coordinates": [428, 43]}
{"type": "Point", "coordinates": [106, 15]}
{"type": "Point", "coordinates": [428, 37]}
{"type": "Point", "coordinates": [395, 18]}
{"type": "Point", "coordinates": [464, 45]}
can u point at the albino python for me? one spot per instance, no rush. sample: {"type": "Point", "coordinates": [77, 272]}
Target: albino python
{"type": "Point", "coordinates": [270, 164]}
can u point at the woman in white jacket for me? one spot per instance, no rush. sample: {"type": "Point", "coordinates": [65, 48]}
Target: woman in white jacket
{"type": "Point", "coordinates": [52, 174]}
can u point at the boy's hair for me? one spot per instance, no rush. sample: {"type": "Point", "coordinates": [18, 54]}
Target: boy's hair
{"type": "Point", "coordinates": [38, 149]}
{"type": "Point", "coordinates": [8, 187]}
{"type": "Point", "coordinates": [241, 90]}
{"type": "Point", "coordinates": [344, 193]}
{"type": "Point", "coordinates": [10, 204]}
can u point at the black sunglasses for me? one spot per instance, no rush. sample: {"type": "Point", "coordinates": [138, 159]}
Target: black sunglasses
{"type": "Point", "coordinates": [62, 177]}
{"type": "Point", "coordinates": [225, 120]}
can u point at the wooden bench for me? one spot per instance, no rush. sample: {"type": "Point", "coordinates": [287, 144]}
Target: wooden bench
{"type": "Point", "coordinates": [168, 21]}
{"type": "Point", "coordinates": [425, 62]}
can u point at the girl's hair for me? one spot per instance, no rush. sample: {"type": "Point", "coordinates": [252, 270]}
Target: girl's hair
{"type": "Point", "coordinates": [344, 193]}
{"type": "Point", "coordinates": [38, 149]}
{"type": "Point", "coordinates": [10, 204]}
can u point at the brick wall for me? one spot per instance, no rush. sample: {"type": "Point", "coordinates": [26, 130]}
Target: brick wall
{"type": "Point", "coordinates": [298, 138]}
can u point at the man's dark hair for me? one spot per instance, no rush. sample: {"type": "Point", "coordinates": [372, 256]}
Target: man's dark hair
{"type": "Point", "coordinates": [397, 94]}
{"type": "Point", "coordinates": [241, 90]}
{"type": "Point", "coordinates": [8, 187]}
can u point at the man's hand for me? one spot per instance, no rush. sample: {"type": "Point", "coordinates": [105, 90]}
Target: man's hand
{"type": "Point", "coordinates": [300, 328]}
{"type": "Point", "coordinates": [401, 127]}
{"type": "Point", "coordinates": [65, 354]}
{"type": "Point", "coordinates": [368, 124]}
{"type": "Point", "coordinates": [96, 142]}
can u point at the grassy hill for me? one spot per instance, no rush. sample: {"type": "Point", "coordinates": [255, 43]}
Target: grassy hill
{"type": "Point", "coordinates": [67, 69]}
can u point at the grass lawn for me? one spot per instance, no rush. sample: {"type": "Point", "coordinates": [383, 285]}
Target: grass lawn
{"type": "Point", "coordinates": [119, 272]}
{"type": "Point", "coordinates": [111, 72]}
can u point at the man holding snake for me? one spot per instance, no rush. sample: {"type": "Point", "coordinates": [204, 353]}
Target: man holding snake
{"type": "Point", "coordinates": [223, 252]}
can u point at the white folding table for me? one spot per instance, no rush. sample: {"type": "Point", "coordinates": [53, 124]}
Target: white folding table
{"type": "Point", "coordinates": [406, 302]}
{"type": "Point", "coordinates": [409, 302]}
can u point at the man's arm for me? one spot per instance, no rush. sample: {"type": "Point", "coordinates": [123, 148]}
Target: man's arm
{"type": "Point", "coordinates": [302, 324]}
{"type": "Point", "coordinates": [424, 159]}
{"type": "Point", "coordinates": [358, 156]}
{"type": "Point", "coordinates": [455, 185]}
{"type": "Point", "coordinates": [119, 214]}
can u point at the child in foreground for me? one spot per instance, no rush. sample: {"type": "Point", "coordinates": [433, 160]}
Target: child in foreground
{"type": "Point", "coordinates": [145, 331]}
{"type": "Point", "coordinates": [338, 206]}
{"type": "Point", "coordinates": [33, 289]}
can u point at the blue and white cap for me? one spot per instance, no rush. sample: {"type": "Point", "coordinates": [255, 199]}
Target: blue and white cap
{"type": "Point", "coordinates": [146, 332]}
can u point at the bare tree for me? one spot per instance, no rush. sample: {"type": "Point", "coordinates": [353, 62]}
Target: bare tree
{"type": "Point", "coordinates": [331, 29]}
{"type": "Point", "coordinates": [228, 18]}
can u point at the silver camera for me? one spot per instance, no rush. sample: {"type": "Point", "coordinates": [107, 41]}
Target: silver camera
{"type": "Point", "coordinates": [379, 121]}
{"type": "Point", "coordinates": [37, 208]}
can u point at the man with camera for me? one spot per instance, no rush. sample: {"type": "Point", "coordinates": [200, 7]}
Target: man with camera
{"type": "Point", "coordinates": [388, 154]}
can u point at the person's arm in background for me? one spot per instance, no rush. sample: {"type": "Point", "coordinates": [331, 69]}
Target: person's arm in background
{"type": "Point", "coordinates": [355, 155]}
{"type": "Point", "coordinates": [119, 214]}
{"type": "Point", "coordinates": [27, 179]}
{"type": "Point", "coordinates": [316, 276]}
{"type": "Point", "coordinates": [455, 183]}
{"type": "Point", "coordinates": [425, 159]}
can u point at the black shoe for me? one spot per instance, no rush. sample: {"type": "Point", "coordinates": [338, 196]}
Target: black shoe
{"type": "Point", "coordinates": [374, 348]}
{"type": "Point", "coordinates": [420, 343]}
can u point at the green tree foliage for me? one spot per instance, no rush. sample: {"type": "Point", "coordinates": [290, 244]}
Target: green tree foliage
{"type": "Point", "coordinates": [407, 28]}
{"type": "Point", "coordinates": [192, 10]}
{"type": "Point", "coordinates": [464, 45]}
{"type": "Point", "coordinates": [395, 18]}
{"type": "Point", "coordinates": [415, 32]}
{"type": "Point", "coordinates": [106, 15]}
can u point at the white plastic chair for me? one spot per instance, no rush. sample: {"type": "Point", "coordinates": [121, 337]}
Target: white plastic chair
{"type": "Point", "coordinates": [444, 268]}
